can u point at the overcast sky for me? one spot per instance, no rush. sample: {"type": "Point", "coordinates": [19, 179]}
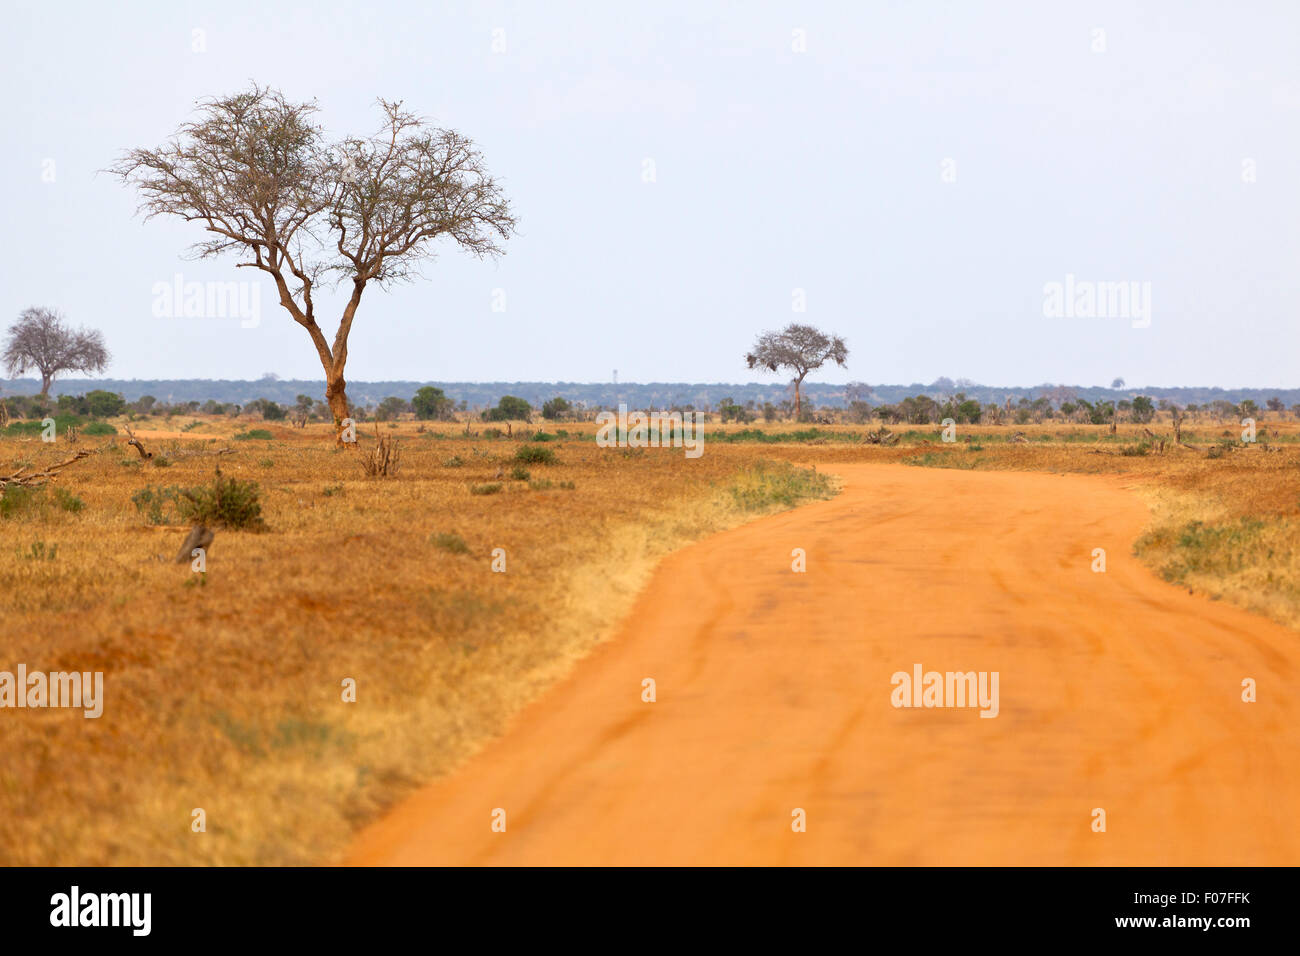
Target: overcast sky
{"type": "Point", "coordinates": [920, 170]}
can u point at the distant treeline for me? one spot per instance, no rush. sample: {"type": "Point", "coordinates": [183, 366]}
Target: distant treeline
{"type": "Point", "coordinates": [482, 395]}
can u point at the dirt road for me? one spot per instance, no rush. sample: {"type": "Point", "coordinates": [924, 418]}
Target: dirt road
{"type": "Point", "coordinates": [1116, 691]}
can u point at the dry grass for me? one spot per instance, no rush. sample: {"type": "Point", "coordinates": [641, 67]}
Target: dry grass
{"type": "Point", "coordinates": [224, 690]}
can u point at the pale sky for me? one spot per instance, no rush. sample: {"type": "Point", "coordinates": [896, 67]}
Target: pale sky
{"type": "Point", "coordinates": [920, 170]}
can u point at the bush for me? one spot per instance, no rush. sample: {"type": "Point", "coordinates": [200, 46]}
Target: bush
{"type": "Point", "coordinates": [509, 408]}
{"type": "Point", "coordinates": [151, 502]}
{"type": "Point", "coordinates": [450, 541]}
{"type": "Point", "coordinates": [99, 428]}
{"type": "Point", "coordinates": [532, 455]}
{"type": "Point", "coordinates": [18, 500]}
{"type": "Point", "coordinates": [432, 404]}
{"type": "Point", "coordinates": [489, 489]}
{"type": "Point", "coordinates": [225, 503]}
{"type": "Point", "coordinates": [519, 473]}
{"type": "Point", "coordinates": [252, 433]}
{"type": "Point", "coordinates": [556, 408]}
{"type": "Point", "coordinates": [455, 461]}
{"type": "Point", "coordinates": [67, 501]}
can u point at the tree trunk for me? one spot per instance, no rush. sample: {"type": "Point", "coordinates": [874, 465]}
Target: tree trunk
{"type": "Point", "coordinates": [46, 381]}
{"type": "Point", "coordinates": [337, 398]}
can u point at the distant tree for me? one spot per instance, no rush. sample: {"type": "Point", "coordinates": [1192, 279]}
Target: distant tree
{"type": "Point", "coordinates": [799, 349]}
{"type": "Point", "coordinates": [302, 409]}
{"type": "Point", "coordinates": [510, 408]}
{"type": "Point", "coordinates": [1275, 404]}
{"type": "Point", "coordinates": [1143, 409]}
{"type": "Point", "coordinates": [856, 392]}
{"type": "Point", "coordinates": [102, 404]}
{"type": "Point", "coordinates": [731, 412]}
{"type": "Point", "coordinates": [254, 169]}
{"type": "Point", "coordinates": [269, 409]}
{"type": "Point", "coordinates": [556, 408]}
{"type": "Point", "coordinates": [390, 408]}
{"type": "Point", "coordinates": [40, 339]}
{"type": "Point", "coordinates": [1118, 383]}
{"type": "Point", "coordinates": [858, 412]}
{"type": "Point", "coordinates": [432, 404]}
{"type": "Point", "coordinates": [1247, 408]}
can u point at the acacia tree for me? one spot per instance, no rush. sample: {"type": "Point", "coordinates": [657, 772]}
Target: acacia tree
{"type": "Point", "coordinates": [800, 349]}
{"type": "Point", "coordinates": [257, 172]}
{"type": "Point", "coordinates": [40, 339]}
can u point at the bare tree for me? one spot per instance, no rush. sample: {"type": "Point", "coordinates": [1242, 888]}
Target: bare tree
{"type": "Point", "coordinates": [257, 173]}
{"type": "Point", "coordinates": [40, 339]}
{"type": "Point", "coordinates": [800, 349]}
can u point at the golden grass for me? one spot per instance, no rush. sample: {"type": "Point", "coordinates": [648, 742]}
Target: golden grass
{"type": "Point", "coordinates": [224, 690]}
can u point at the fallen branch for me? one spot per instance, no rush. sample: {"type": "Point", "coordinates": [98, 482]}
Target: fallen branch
{"type": "Point", "coordinates": [146, 455]}
{"type": "Point", "coordinates": [39, 477]}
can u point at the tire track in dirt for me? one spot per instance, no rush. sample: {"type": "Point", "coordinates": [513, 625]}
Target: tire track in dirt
{"type": "Point", "coordinates": [1117, 691]}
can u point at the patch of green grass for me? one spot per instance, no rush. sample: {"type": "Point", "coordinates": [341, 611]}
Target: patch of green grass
{"type": "Point", "coordinates": [99, 428]}
{"type": "Point", "coordinates": [18, 501]}
{"type": "Point", "coordinates": [157, 505]}
{"type": "Point", "coordinates": [254, 433]}
{"type": "Point", "coordinates": [546, 484]}
{"type": "Point", "coordinates": [449, 541]}
{"type": "Point", "coordinates": [40, 551]}
{"type": "Point", "coordinates": [767, 485]}
{"type": "Point", "coordinates": [933, 459]}
{"type": "Point", "coordinates": [535, 456]}
{"type": "Point", "coordinates": [455, 461]}
{"type": "Point", "coordinates": [491, 488]}
{"type": "Point", "coordinates": [519, 473]}
{"type": "Point", "coordinates": [1199, 548]}
{"type": "Point", "coordinates": [65, 500]}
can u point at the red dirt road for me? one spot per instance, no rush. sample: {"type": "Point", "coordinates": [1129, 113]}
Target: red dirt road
{"type": "Point", "coordinates": [774, 689]}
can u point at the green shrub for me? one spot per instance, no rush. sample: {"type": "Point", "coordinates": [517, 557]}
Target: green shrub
{"type": "Point", "coordinates": [99, 428]}
{"type": "Point", "coordinates": [158, 505]}
{"type": "Point", "coordinates": [455, 461]}
{"type": "Point", "coordinates": [535, 456]}
{"type": "Point", "coordinates": [224, 503]}
{"type": "Point", "coordinates": [543, 436]}
{"type": "Point", "coordinates": [18, 501]}
{"type": "Point", "coordinates": [67, 501]}
{"type": "Point", "coordinates": [489, 489]}
{"type": "Point", "coordinates": [252, 433]}
{"type": "Point", "coordinates": [450, 541]}
{"type": "Point", "coordinates": [545, 484]}
{"type": "Point", "coordinates": [519, 473]}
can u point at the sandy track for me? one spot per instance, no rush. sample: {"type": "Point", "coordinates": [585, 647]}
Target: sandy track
{"type": "Point", "coordinates": [1116, 691]}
